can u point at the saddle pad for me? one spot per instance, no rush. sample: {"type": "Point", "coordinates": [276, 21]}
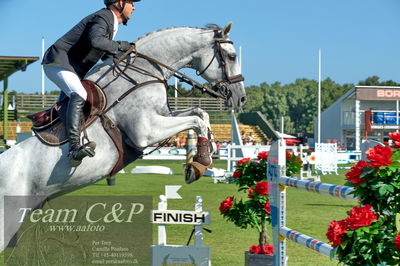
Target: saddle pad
{"type": "Point", "coordinates": [55, 133]}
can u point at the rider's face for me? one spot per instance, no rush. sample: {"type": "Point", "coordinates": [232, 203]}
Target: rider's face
{"type": "Point", "coordinates": [128, 9]}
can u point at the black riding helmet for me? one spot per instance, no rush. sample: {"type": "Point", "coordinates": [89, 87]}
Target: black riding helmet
{"type": "Point", "coordinates": [112, 2]}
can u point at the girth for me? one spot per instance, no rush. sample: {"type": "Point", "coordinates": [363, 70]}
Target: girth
{"type": "Point", "coordinates": [115, 133]}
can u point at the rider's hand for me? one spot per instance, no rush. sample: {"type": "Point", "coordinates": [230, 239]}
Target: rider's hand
{"type": "Point", "coordinates": [123, 46]}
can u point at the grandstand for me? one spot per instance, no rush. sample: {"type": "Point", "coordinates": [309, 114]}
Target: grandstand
{"type": "Point", "coordinates": [222, 132]}
{"type": "Point", "coordinates": [12, 129]}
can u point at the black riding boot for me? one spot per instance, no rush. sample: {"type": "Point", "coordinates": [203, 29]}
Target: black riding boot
{"type": "Point", "coordinates": [74, 113]}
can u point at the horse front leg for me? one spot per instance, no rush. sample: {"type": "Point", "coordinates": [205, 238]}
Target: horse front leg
{"type": "Point", "coordinates": [204, 116]}
{"type": "Point", "coordinates": [202, 160]}
{"type": "Point", "coordinates": [163, 127]}
{"type": "Point", "coordinates": [194, 111]}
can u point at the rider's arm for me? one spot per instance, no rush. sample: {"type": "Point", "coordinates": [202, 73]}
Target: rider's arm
{"type": "Point", "coordinates": [98, 36]}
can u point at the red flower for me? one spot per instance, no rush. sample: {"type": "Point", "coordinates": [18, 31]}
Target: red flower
{"type": "Point", "coordinates": [336, 231]}
{"type": "Point", "coordinates": [395, 136]}
{"type": "Point", "coordinates": [242, 161]}
{"type": "Point", "coordinates": [267, 207]}
{"type": "Point", "coordinates": [255, 249]}
{"type": "Point", "coordinates": [236, 174]}
{"type": "Point", "coordinates": [379, 156]}
{"type": "Point", "coordinates": [262, 155]}
{"type": "Point", "coordinates": [250, 193]}
{"type": "Point", "coordinates": [288, 155]}
{"type": "Point", "coordinates": [226, 204]}
{"type": "Point", "coordinates": [361, 216]}
{"type": "Point", "coordinates": [353, 175]}
{"type": "Point", "coordinates": [262, 188]}
{"type": "Point", "coordinates": [268, 249]}
{"type": "Point", "coordinates": [396, 241]}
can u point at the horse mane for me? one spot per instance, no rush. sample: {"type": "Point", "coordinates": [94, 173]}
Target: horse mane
{"type": "Point", "coordinates": [213, 26]}
{"type": "Point", "coordinates": [210, 26]}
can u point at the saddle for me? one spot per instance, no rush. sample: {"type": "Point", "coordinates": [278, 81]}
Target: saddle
{"type": "Point", "coordinates": [49, 125]}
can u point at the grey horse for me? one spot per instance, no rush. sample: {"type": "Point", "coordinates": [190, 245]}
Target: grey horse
{"type": "Point", "coordinates": [144, 117]}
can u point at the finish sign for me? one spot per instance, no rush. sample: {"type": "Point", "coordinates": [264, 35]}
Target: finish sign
{"type": "Point", "coordinates": [180, 217]}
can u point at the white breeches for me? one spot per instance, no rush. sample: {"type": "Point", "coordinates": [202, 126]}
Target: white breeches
{"type": "Point", "coordinates": [65, 79]}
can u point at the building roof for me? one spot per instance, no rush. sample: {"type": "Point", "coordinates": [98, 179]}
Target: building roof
{"type": "Point", "coordinates": [12, 64]}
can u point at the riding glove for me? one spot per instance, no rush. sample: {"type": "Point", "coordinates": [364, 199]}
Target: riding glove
{"type": "Point", "coordinates": [123, 46]}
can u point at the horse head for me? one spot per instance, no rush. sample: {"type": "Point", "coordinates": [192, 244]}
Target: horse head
{"type": "Point", "coordinates": [218, 64]}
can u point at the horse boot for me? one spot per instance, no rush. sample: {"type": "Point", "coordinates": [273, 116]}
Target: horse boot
{"type": "Point", "coordinates": [201, 161]}
{"type": "Point", "coordinates": [74, 113]}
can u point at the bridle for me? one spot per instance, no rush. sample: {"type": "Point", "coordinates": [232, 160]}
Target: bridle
{"type": "Point", "coordinates": [222, 86]}
{"type": "Point", "coordinates": [219, 90]}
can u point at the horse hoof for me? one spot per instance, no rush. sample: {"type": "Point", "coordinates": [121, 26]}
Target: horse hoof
{"type": "Point", "coordinates": [190, 174]}
{"type": "Point", "coordinates": [111, 181]}
{"type": "Point", "coordinates": [193, 171]}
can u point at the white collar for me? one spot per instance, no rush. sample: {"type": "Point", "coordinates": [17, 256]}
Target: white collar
{"type": "Point", "coordinates": [115, 30]}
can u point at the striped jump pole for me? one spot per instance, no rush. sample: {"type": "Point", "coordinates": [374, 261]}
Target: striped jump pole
{"type": "Point", "coordinates": [276, 176]}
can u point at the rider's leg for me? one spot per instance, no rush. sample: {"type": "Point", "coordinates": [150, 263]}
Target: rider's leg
{"type": "Point", "coordinates": [74, 113]}
{"type": "Point", "coordinates": [71, 85]}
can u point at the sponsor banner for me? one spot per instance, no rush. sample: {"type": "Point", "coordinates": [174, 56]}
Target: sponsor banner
{"type": "Point", "coordinates": [72, 230]}
{"type": "Point", "coordinates": [385, 94]}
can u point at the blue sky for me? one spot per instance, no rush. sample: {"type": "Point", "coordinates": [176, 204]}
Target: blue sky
{"type": "Point", "coordinates": [279, 39]}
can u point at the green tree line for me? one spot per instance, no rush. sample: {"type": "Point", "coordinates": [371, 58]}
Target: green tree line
{"type": "Point", "coordinates": [297, 102]}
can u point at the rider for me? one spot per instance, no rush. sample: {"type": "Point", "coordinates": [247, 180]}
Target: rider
{"type": "Point", "coordinates": [68, 60]}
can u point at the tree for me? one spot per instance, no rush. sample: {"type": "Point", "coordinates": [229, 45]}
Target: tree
{"type": "Point", "coordinates": [253, 95]}
{"type": "Point", "coordinates": [374, 81]}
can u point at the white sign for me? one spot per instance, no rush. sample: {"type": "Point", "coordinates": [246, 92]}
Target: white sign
{"type": "Point", "coordinates": [171, 192]}
{"type": "Point", "coordinates": [385, 127]}
{"type": "Point", "coordinates": [180, 217]}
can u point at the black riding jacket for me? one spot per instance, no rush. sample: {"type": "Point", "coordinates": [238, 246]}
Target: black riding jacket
{"type": "Point", "coordinates": [87, 42]}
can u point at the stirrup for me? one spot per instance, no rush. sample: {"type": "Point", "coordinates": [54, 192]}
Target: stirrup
{"type": "Point", "coordinates": [76, 156]}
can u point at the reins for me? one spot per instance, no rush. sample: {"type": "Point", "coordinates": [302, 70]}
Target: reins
{"type": "Point", "coordinates": [221, 86]}
{"type": "Point", "coordinates": [179, 75]}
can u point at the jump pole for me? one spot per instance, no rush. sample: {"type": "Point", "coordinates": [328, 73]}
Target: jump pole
{"type": "Point", "coordinates": [276, 176]}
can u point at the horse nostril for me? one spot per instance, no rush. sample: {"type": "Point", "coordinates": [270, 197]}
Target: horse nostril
{"type": "Point", "coordinates": [243, 99]}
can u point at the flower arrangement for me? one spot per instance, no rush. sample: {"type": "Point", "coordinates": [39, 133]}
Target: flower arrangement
{"type": "Point", "coordinates": [254, 211]}
{"type": "Point", "coordinates": [369, 234]}
{"type": "Point", "coordinates": [293, 163]}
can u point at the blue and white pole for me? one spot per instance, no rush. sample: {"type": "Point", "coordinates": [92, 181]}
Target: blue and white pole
{"type": "Point", "coordinates": [276, 169]}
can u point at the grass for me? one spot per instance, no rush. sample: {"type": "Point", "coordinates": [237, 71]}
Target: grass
{"type": "Point", "coordinates": [308, 213]}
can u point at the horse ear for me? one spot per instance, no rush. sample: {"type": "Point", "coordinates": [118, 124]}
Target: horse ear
{"type": "Point", "coordinates": [227, 29]}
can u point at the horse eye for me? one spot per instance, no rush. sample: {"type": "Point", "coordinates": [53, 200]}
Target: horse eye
{"type": "Point", "coordinates": [232, 56]}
